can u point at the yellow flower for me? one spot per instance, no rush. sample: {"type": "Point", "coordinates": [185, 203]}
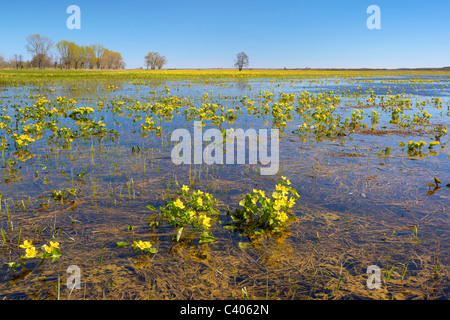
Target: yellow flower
{"type": "Point", "coordinates": [192, 213]}
{"type": "Point", "coordinates": [279, 203]}
{"type": "Point", "coordinates": [142, 245]}
{"type": "Point", "coordinates": [26, 244]}
{"type": "Point", "coordinates": [282, 188]}
{"type": "Point", "coordinates": [200, 201]}
{"type": "Point", "coordinates": [30, 252]}
{"type": "Point", "coordinates": [291, 202]}
{"type": "Point", "coordinates": [185, 188]}
{"type": "Point", "coordinates": [179, 204]}
{"type": "Point", "coordinates": [282, 216]}
{"type": "Point", "coordinates": [286, 179]}
{"type": "Point", "coordinates": [49, 249]}
{"type": "Point", "coordinates": [54, 244]}
{"type": "Point", "coordinates": [205, 220]}
{"type": "Point", "coordinates": [262, 193]}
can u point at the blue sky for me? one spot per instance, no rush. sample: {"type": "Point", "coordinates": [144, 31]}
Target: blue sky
{"type": "Point", "coordinates": [274, 34]}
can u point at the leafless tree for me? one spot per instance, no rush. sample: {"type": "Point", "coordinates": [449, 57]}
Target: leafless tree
{"type": "Point", "coordinates": [39, 47]}
{"type": "Point", "coordinates": [161, 61]}
{"type": "Point", "coordinates": [150, 59]}
{"type": "Point", "coordinates": [155, 60]}
{"type": "Point", "coordinates": [16, 61]}
{"type": "Point", "coordinates": [20, 61]}
{"type": "Point", "coordinates": [241, 60]}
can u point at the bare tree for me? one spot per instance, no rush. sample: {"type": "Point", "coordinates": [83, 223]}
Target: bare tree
{"type": "Point", "coordinates": [20, 62]}
{"type": "Point", "coordinates": [2, 61]}
{"type": "Point", "coordinates": [150, 59]}
{"type": "Point", "coordinates": [161, 61]}
{"type": "Point", "coordinates": [16, 61]}
{"type": "Point", "coordinates": [13, 61]}
{"type": "Point", "coordinates": [39, 47]}
{"type": "Point", "coordinates": [241, 60]}
{"type": "Point", "coordinates": [155, 60]}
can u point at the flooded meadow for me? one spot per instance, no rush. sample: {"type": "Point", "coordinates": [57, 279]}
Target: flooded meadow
{"type": "Point", "coordinates": [89, 184]}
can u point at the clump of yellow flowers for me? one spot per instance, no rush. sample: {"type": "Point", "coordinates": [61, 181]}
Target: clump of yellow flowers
{"type": "Point", "coordinates": [259, 213]}
{"type": "Point", "coordinates": [30, 250]}
{"type": "Point", "coordinates": [22, 140]}
{"type": "Point", "coordinates": [415, 148]}
{"type": "Point", "coordinates": [50, 250]}
{"type": "Point", "coordinates": [191, 212]}
{"type": "Point", "coordinates": [144, 246]}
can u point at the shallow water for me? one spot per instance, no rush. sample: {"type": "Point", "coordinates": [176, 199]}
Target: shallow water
{"type": "Point", "coordinates": [357, 207]}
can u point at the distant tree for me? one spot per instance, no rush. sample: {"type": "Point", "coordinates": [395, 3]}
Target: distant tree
{"type": "Point", "coordinates": [39, 47]}
{"type": "Point", "coordinates": [65, 53]}
{"type": "Point", "coordinates": [150, 59]}
{"type": "Point", "coordinates": [117, 61]}
{"type": "Point", "coordinates": [92, 56]}
{"type": "Point", "coordinates": [16, 61]}
{"type": "Point", "coordinates": [20, 61]}
{"type": "Point", "coordinates": [13, 61]}
{"type": "Point", "coordinates": [161, 61]}
{"type": "Point", "coordinates": [112, 60]}
{"type": "Point", "coordinates": [2, 61]}
{"type": "Point", "coordinates": [39, 61]}
{"type": "Point", "coordinates": [76, 55]}
{"type": "Point", "coordinates": [54, 59]}
{"type": "Point", "coordinates": [84, 54]}
{"type": "Point", "coordinates": [155, 60]}
{"type": "Point", "coordinates": [241, 60]}
{"type": "Point", "coordinates": [98, 50]}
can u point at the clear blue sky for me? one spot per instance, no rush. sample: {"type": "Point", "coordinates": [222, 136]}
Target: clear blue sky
{"type": "Point", "coordinates": [274, 34]}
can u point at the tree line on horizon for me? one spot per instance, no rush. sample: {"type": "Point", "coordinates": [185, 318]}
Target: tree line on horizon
{"type": "Point", "coordinates": [68, 55]}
